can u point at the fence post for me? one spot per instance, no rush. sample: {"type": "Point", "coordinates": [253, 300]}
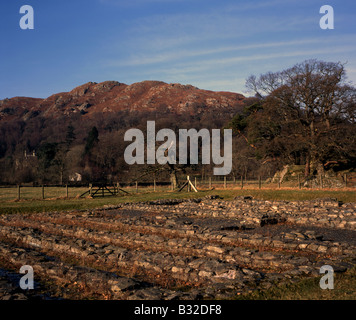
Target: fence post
{"type": "Point", "coordinates": [242, 182]}
{"type": "Point", "coordinates": [279, 183]}
{"type": "Point", "coordinates": [67, 191]}
{"type": "Point", "coordinates": [18, 192]}
{"type": "Point", "coordinates": [195, 181]}
{"type": "Point", "coordinates": [209, 182]}
{"type": "Point", "coordinates": [154, 185]}
{"type": "Point", "coordinates": [43, 196]}
{"type": "Point", "coordinates": [90, 188]}
{"type": "Point", "coordinates": [345, 180]}
{"type": "Point", "coordinates": [136, 187]}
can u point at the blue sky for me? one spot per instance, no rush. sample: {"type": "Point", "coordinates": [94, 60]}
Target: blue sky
{"type": "Point", "coordinates": [211, 44]}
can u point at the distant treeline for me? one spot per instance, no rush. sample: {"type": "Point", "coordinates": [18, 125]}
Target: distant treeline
{"type": "Point", "coordinates": [304, 115]}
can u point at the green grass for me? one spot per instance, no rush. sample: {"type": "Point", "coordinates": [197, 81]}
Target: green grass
{"type": "Point", "coordinates": [31, 193]}
{"type": "Point", "coordinates": [31, 198]}
{"type": "Point", "coordinates": [309, 289]}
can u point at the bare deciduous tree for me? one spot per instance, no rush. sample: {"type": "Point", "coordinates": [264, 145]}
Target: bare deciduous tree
{"type": "Point", "coordinates": [314, 93]}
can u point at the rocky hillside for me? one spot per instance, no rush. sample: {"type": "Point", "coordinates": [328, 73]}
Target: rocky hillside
{"type": "Point", "coordinates": [112, 96]}
{"type": "Point", "coordinates": [81, 131]}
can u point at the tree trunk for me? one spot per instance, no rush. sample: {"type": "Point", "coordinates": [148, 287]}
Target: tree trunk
{"type": "Point", "coordinates": [61, 175]}
{"type": "Point", "coordinates": [174, 180]}
{"type": "Point", "coordinates": [307, 166]}
{"type": "Point", "coordinates": [320, 169]}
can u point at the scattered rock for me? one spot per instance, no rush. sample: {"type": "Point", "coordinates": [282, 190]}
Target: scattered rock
{"type": "Point", "coordinates": [211, 247]}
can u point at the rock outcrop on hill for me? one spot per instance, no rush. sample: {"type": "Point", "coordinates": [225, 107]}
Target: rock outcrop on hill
{"type": "Point", "coordinates": [112, 96]}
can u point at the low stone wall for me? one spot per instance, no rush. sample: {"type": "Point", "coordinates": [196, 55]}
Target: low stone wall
{"type": "Point", "coordinates": [211, 247]}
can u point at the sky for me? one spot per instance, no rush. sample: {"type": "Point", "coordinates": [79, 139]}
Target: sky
{"type": "Point", "coordinates": [210, 44]}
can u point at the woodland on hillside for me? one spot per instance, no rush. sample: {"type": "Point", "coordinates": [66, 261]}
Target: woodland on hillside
{"type": "Point", "coordinates": [304, 115]}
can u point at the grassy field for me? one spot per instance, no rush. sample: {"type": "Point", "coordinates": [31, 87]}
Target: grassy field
{"type": "Point", "coordinates": [55, 197]}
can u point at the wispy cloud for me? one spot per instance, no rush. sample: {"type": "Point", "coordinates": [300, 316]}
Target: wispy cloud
{"type": "Point", "coordinates": [134, 3]}
{"type": "Point", "coordinates": [229, 73]}
{"type": "Point", "coordinates": [162, 31]}
{"type": "Point", "coordinates": [193, 67]}
{"type": "Point", "coordinates": [169, 56]}
{"type": "Point", "coordinates": [219, 40]}
{"type": "Point", "coordinates": [257, 5]}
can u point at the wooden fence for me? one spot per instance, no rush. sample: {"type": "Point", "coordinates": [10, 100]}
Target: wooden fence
{"type": "Point", "coordinates": [195, 182]}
